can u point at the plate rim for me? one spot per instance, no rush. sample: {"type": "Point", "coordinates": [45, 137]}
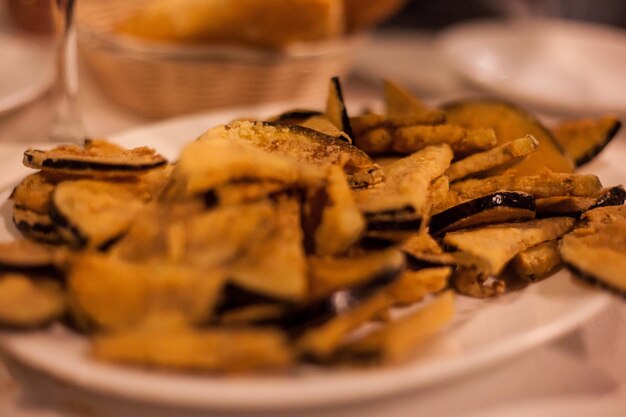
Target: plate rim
{"type": "Point", "coordinates": [493, 355]}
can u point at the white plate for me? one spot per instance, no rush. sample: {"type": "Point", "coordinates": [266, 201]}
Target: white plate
{"type": "Point", "coordinates": [26, 71]}
{"type": "Point", "coordinates": [555, 65]}
{"type": "Point", "coordinates": [483, 334]}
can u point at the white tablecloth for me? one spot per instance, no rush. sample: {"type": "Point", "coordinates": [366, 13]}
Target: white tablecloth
{"type": "Point", "coordinates": [581, 374]}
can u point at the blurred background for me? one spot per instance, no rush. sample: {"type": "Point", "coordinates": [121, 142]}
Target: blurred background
{"type": "Point", "coordinates": [559, 57]}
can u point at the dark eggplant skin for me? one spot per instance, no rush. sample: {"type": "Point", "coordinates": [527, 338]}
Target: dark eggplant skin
{"type": "Point", "coordinates": [38, 231]}
{"type": "Point", "coordinates": [78, 239]}
{"type": "Point", "coordinates": [593, 280]}
{"type": "Point", "coordinates": [48, 271]}
{"type": "Point", "coordinates": [60, 221]}
{"type": "Point", "coordinates": [410, 224]}
{"type": "Point", "coordinates": [441, 221]}
{"type": "Point", "coordinates": [26, 227]}
{"type": "Point", "coordinates": [414, 264]}
{"type": "Point", "coordinates": [234, 297]}
{"type": "Point", "coordinates": [400, 219]}
{"type": "Point", "coordinates": [294, 116]}
{"type": "Point", "coordinates": [375, 243]}
{"type": "Point", "coordinates": [35, 266]}
{"type": "Point", "coordinates": [308, 132]}
{"type": "Point", "coordinates": [300, 317]}
{"type": "Point", "coordinates": [346, 127]}
{"type": "Point", "coordinates": [303, 317]}
{"type": "Point", "coordinates": [614, 196]}
{"type": "Point", "coordinates": [78, 165]}
{"type": "Point", "coordinates": [599, 147]}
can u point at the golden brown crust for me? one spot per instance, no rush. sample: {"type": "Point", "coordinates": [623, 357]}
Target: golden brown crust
{"type": "Point", "coordinates": [537, 262]}
{"type": "Point", "coordinates": [498, 244]}
{"type": "Point", "coordinates": [510, 122]}
{"type": "Point", "coordinates": [502, 155]}
{"type": "Point", "coordinates": [97, 158]}
{"type": "Point", "coordinates": [34, 193]}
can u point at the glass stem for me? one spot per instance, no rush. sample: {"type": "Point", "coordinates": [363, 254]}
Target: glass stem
{"type": "Point", "coordinates": [67, 125]}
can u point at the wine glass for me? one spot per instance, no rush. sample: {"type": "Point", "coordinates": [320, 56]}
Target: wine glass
{"type": "Point", "coordinates": [67, 124]}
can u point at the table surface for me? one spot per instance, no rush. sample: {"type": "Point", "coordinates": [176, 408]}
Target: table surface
{"type": "Point", "coordinates": [582, 373]}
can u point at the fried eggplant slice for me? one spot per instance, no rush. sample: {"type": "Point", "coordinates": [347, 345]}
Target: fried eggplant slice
{"type": "Point", "coordinates": [97, 158]}
{"type": "Point", "coordinates": [537, 262]}
{"type": "Point", "coordinates": [462, 141]}
{"type": "Point", "coordinates": [294, 117]}
{"type": "Point", "coordinates": [25, 255]}
{"type": "Point", "coordinates": [377, 141]}
{"type": "Point", "coordinates": [583, 139]}
{"type": "Point", "coordinates": [400, 101]}
{"type": "Point", "coordinates": [406, 140]}
{"type": "Point", "coordinates": [576, 206]}
{"type": "Point", "coordinates": [329, 274]}
{"type": "Point", "coordinates": [301, 144]}
{"type": "Point", "coordinates": [219, 236]}
{"type": "Point", "coordinates": [148, 186]}
{"type": "Point", "coordinates": [323, 125]}
{"type": "Point", "coordinates": [473, 282]}
{"type": "Point", "coordinates": [399, 222]}
{"type": "Point", "coordinates": [604, 215]}
{"type": "Point", "coordinates": [510, 122]}
{"type": "Point", "coordinates": [394, 237]}
{"type": "Point", "coordinates": [26, 303]}
{"type": "Point", "coordinates": [275, 265]}
{"type": "Point", "coordinates": [34, 193]}
{"type": "Point", "coordinates": [438, 189]}
{"type": "Point", "coordinates": [563, 206]}
{"type": "Point", "coordinates": [614, 196]}
{"type": "Point", "coordinates": [421, 242]}
{"type": "Point", "coordinates": [336, 107]}
{"type": "Point", "coordinates": [595, 251]}
{"type": "Point", "coordinates": [501, 207]}
{"type": "Point", "coordinates": [113, 293]}
{"type": "Point", "coordinates": [36, 226]}
{"type": "Point", "coordinates": [423, 251]}
{"type": "Point", "coordinates": [320, 342]}
{"type": "Point", "coordinates": [545, 185]}
{"type": "Point", "coordinates": [211, 350]}
{"type": "Point", "coordinates": [498, 244]}
{"type": "Point", "coordinates": [93, 213]}
{"type": "Point", "coordinates": [332, 220]}
{"type": "Point", "coordinates": [406, 187]}
{"type": "Point", "coordinates": [241, 192]}
{"type": "Point", "coordinates": [217, 159]}
{"type": "Point", "coordinates": [253, 314]}
{"type": "Point", "coordinates": [502, 155]}
{"type": "Point", "coordinates": [188, 233]}
{"type": "Point", "coordinates": [413, 286]}
{"type": "Point", "coordinates": [395, 341]}
{"type": "Point", "coordinates": [366, 122]}
{"type": "Point", "coordinates": [352, 291]}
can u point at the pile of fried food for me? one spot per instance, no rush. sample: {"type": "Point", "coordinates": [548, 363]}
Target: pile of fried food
{"type": "Point", "coordinates": [267, 24]}
{"type": "Point", "coordinates": [308, 237]}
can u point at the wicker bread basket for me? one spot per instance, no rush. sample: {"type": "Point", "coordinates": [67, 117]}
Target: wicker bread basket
{"type": "Point", "coordinates": [161, 80]}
